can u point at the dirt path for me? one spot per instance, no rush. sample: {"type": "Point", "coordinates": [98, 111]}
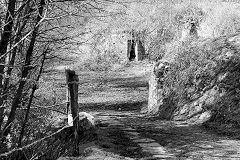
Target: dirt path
{"type": "Point", "coordinates": [131, 135]}
{"type": "Point", "coordinates": [115, 100]}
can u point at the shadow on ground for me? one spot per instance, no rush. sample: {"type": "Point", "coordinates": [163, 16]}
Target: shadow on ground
{"type": "Point", "coordinates": [121, 106]}
{"type": "Point", "coordinates": [115, 140]}
{"type": "Point", "coordinates": [122, 130]}
{"type": "Point", "coordinates": [130, 135]}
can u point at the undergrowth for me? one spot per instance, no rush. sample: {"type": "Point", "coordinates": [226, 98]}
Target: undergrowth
{"type": "Point", "coordinates": [197, 67]}
{"type": "Point", "coordinates": [191, 61]}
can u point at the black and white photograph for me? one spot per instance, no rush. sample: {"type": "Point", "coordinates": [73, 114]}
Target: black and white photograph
{"type": "Point", "coordinates": [119, 79]}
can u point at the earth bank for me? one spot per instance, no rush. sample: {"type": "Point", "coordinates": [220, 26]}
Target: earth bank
{"type": "Point", "coordinates": [201, 85]}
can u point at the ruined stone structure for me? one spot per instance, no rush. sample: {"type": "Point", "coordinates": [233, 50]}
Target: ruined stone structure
{"type": "Point", "coordinates": [135, 50]}
{"type": "Point", "coordinates": [127, 45]}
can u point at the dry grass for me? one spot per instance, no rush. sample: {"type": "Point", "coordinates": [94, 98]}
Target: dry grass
{"type": "Point", "coordinates": [128, 84]}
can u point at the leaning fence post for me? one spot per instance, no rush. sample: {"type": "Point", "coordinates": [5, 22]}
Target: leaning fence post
{"type": "Point", "coordinates": [72, 83]}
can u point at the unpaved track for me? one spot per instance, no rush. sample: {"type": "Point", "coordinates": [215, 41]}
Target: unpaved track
{"type": "Point", "coordinates": [115, 100]}
{"type": "Point", "coordinates": [131, 135]}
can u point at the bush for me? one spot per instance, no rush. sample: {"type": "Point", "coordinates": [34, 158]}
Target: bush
{"type": "Point", "coordinates": [199, 67]}
{"type": "Point", "coordinates": [170, 30]}
{"type": "Point", "coordinates": [189, 14]}
{"type": "Point", "coordinates": [156, 47]}
{"type": "Point", "coordinates": [192, 62]}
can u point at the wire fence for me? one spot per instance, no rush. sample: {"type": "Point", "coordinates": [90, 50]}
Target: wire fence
{"type": "Point", "coordinates": [52, 146]}
{"type": "Point", "coordinates": [42, 146]}
{"type": "Point", "coordinates": [61, 141]}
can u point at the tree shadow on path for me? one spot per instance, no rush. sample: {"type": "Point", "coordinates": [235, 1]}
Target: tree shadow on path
{"type": "Point", "coordinates": [136, 137]}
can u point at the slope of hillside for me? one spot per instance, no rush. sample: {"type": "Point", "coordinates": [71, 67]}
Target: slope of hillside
{"type": "Point", "coordinates": [204, 81]}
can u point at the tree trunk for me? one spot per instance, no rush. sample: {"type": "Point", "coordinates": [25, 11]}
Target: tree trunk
{"type": "Point", "coordinates": [7, 32]}
{"type": "Point", "coordinates": [25, 71]}
{"type": "Point", "coordinates": [5, 38]}
{"type": "Point", "coordinates": [34, 88]}
{"type": "Point", "coordinates": [19, 29]}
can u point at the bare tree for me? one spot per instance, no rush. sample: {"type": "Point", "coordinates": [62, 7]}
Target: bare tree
{"type": "Point", "coordinates": [27, 27]}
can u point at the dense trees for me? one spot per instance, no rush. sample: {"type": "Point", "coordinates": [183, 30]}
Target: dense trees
{"type": "Point", "coordinates": [34, 33]}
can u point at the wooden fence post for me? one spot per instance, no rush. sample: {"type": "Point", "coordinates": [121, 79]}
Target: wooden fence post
{"type": "Point", "coordinates": [72, 83]}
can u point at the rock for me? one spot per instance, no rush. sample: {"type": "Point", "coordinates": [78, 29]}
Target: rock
{"type": "Point", "coordinates": [198, 109]}
{"type": "Point", "coordinates": [204, 116]}
{"type": "Point", "coordinates": [87, 128]}
{"type": "Point", "coordinates": [90, 118]}
{"type": "Point", "coordinates": [86, 120]}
